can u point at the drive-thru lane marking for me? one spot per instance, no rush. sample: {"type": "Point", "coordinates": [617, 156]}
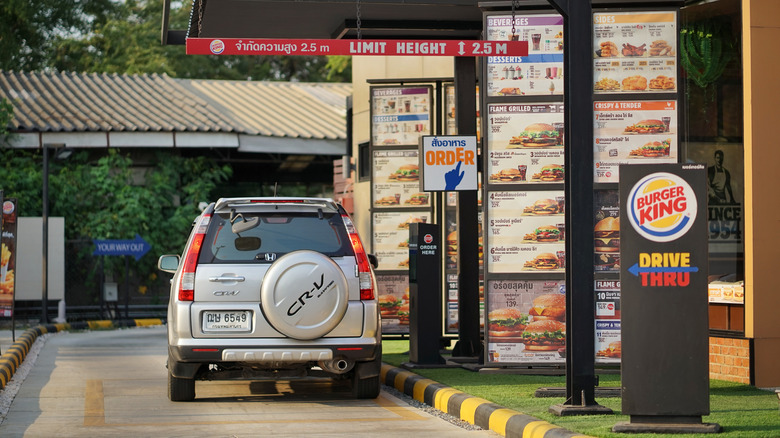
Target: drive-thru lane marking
{"type": "Point", "coordinates": [95, 414]}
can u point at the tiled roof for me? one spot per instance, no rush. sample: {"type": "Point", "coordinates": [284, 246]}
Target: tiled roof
{"type": "Point", "coordinates": [154, 103]}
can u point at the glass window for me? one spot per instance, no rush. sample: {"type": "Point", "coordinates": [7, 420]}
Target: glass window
{"type": "Point", "coordinates": [278, 233]}
{"type": "Point", "coordinates": [711, 59]}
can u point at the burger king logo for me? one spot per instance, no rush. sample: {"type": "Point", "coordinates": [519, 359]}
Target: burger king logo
{"type": "Point", "coordinates": [217, 47]}
{"type": "Point", "coordinates": [662, 207]}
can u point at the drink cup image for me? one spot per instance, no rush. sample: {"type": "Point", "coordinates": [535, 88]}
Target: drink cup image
{"type": "Point", "coordinates": [536, 39]}
{"type": "Point", "coordinates": [667, 121]}
{"type": "Point", "coordinates": [522, 169]}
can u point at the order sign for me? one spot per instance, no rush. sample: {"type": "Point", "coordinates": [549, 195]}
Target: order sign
{"type": "Point", "coordinates": [449, 163]}
{"type": "Point", "coordinates": [313, 47]}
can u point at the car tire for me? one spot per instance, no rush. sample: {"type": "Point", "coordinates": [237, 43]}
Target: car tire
{"type": "Point", "coordinates": [180, 389]}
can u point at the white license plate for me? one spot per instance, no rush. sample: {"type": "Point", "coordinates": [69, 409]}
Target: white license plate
{"type": "Point", "coordinates": [227, 320]}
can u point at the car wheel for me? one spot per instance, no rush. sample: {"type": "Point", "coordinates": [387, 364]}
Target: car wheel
{"type": "Point", "coordinates": [304, 295]}
{"type": "Point", "coordinates": [180, 389]}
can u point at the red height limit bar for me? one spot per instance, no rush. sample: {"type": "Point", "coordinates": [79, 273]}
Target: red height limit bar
{"type": "Point", "coordinates": [309, 47]}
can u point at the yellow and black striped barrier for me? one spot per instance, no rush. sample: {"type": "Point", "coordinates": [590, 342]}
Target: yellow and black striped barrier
{"type": "Point", "coordinates": [14, 356]}
{"type": "Point", "coordinates": [475, 410]}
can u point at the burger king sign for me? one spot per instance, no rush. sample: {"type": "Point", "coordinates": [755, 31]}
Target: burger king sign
{"type": "Point", "coordinates": [662, 207]}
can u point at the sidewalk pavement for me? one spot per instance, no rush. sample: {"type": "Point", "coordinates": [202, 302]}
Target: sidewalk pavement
{"type": "Point", "coordinates": [474, 410]}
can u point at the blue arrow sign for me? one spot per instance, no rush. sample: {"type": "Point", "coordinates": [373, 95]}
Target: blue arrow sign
{"type": "Point", "coordinates": [636, 269]}
{"type": "Point", "coordinates": [136, 247]}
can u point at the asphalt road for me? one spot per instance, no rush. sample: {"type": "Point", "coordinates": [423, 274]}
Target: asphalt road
{"type": "Point", "coordinates": [113, 383]}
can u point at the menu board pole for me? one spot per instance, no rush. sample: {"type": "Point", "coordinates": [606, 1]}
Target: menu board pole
{"type": "Point", "coordinates": [469, 343]}
{"type": "Point", "coordinates": [580, 302]}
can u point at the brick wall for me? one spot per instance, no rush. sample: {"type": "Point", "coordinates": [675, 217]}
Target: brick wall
{"type": "Point", "coordinates": [730, 359]}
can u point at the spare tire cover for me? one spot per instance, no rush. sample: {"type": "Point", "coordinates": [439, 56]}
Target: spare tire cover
{"type": "Point", "coordinates": [304, 295]}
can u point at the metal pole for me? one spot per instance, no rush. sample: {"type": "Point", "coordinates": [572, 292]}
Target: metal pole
{"type": "Point", "coordinates": [45, 217]}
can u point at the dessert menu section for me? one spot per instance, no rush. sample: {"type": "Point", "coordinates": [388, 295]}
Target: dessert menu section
{"type": "Point", "coordinates": [633, 132]}
{"type": "Point", "coordinates": [526, 232]}
{"type": "Point", "coordinates": [635, 52]}
{"type": "Point", "coordinates": [541, 72]}
{"type": "Point", "coordinates": [400, 115]}
{"type": "Point", "coordinates": [525, 143]}
{"type": "Point", "coordinates": [397, 180]}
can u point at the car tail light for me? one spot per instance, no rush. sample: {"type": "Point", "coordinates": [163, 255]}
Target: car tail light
{"type": "Point", "coordinates": [187, 283]}
{"type": "Point", "coordinates": [364, 267]}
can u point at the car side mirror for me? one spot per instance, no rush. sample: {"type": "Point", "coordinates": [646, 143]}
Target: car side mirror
{"type": "Point", "coordinates": [373, 260]}
{"type": "Point", "coordinates": [168, 263]}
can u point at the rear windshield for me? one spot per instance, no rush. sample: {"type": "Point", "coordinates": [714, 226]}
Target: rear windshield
{"type": "Point", "coordinates": [275, 234]}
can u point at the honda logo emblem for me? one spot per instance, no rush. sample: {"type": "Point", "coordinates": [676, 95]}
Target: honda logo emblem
{"type": "Point", "coordinates": [270, 256]}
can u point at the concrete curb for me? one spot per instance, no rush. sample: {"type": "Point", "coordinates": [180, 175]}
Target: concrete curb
{"type": "Point", "coordinates": [475, 410]}
{"type": "Point", "coordinates": [13, 357]}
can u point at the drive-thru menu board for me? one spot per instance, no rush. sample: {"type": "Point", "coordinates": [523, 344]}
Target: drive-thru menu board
{"type": "Point", "coordinates": [524, 199]}
{"type": "Point", "coordinates": [526, 321]}
{"type": "Point", "coordinates": [541, 72]}
{"type": "Point", "coordinates": [525, 143]}
{"type": "Point", "coordinates": [400, 115]}
{"type": "Point", "coordinates": [633, 132]}
{"type": "Point", "coordinates": [635, 52]}
{"type": "Point", "coordinates": [608, 343]}
{"type": "Point", "coordinates": [522, 240]}
{"type": "Point", "coordinates": [397, 180]}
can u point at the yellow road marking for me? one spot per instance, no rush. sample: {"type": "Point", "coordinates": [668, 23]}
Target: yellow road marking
{"type": "Point", "coordinates": [94, 410]}
{"type": "Point", "coordinates": [95, 416]}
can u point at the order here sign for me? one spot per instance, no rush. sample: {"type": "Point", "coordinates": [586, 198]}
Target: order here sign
{"type": "Point", "coordinates": [448, 163]}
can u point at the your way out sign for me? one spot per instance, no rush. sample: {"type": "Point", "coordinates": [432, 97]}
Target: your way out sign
{"type": "Point", "coordinates": [136, 247]}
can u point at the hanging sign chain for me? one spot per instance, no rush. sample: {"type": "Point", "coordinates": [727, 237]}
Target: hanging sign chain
{"type": "Point", "coordinates": [357, 8]}
{"type": "Point", "coordinates": [514, 38]}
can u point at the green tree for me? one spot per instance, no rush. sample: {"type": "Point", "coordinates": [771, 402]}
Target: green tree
{"type": "Point", "coordinates": [129, 42]}
{"type": "Point", "coordinates": [100, 199]}
{"type": "Point", "coordinates": [28, 29]}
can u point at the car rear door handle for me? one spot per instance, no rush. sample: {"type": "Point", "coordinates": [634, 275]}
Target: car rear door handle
{"type": "Point", "coordinates": [225, 278]}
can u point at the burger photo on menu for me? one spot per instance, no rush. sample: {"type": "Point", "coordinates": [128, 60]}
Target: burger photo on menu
{"type": "Point", "coordinates": [542, 261]}
{"type": "Point", "coordinates": [544, 234]}
{"type": "Point", "coordinates": [417, 199]}
{"type": "Point", "coordinates": [452, 246]}
{"type": "Point", "coordinates": [405, 225]}
{"type": "Point", "coordinates": [549, 173]}
{"type": "Point", "coordinates": [548, 306]}
{"type": "Point", "coordinates": [649, 126]}
{"type": "Point", "coordinates": [607, 235]}
{"type": "Point", "coordinates": [542, 207]}
{"type": "Point", "coordinates": [545, 335]}
{"type": "Point", "coordinates": [388, 305]}
{"type": "Point", "coordinates": [387, 200]}
{"type": "Point", "coordinates": [506, 322]}
{"type": "Point", "coordinates": [403, 314]}
{"type": "Point", "coordinates": [407, 172]}
{"type": "Point", "coordinates": [536, 135]}
{"type": "Point", "coordinates": [507, 175]}
{"type": "Point", "coordinates": [652, 149]}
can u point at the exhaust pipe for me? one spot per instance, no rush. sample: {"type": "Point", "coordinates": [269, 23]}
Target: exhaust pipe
{"type": "Point", "coordinates": [336, 366]}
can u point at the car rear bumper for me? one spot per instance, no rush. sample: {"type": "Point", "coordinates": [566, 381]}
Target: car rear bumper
{"type": "Point", "coordinates": [185, 360]}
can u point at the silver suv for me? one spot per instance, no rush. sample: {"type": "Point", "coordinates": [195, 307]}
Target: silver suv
{"type": "Point", "coordinates": [272, 288]}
